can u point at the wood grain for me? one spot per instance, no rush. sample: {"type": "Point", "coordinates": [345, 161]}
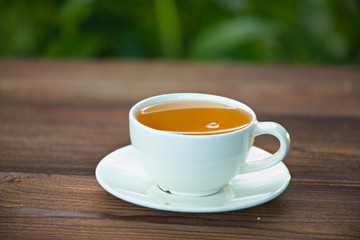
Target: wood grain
{"type": "Point", "coordinates": [30, 200]}
{"type": "Point", "coordinates": [58, 119]}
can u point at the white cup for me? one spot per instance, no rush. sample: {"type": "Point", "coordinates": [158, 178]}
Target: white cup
{"type": "Point", "coordinates": [200, 165]}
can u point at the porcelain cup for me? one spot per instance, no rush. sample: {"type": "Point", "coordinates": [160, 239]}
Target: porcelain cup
{"type": "Point", "coordinates": [201, 165]}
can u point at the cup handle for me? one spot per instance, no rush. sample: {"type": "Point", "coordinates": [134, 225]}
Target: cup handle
{"type": "Point", "coordinates": [280, 133]}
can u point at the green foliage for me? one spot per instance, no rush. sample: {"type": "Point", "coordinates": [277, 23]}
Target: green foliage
{"type": "Point", "coordinates": [169, 27]}
{"type": "Point", "coordinates": [237, 30]}
{"type": "Point", "coordinates": [239, 38]}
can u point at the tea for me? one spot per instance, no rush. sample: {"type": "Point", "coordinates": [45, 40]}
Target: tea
{"type": "Point", "coordinates": [194, 117]}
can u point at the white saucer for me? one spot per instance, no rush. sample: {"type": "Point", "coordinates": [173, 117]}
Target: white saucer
{"type": "Point", "coordinates": [121, 173]}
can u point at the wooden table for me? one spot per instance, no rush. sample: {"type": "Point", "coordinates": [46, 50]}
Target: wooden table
{"type": "Point", "coordinates": [58, 119]}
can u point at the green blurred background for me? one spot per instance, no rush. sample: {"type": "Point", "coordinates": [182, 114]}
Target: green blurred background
{"type": "Point", "coordinates": [298, 31]}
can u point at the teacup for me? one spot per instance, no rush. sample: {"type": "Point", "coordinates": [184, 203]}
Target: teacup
{"type": "Point", "coordinates": [201, 165]}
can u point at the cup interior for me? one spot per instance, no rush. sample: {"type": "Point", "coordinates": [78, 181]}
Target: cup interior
{"type": "Point", "coordinates": [184, 97]}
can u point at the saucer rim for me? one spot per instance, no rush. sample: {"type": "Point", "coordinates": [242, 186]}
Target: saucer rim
{"type": "Point", "coordinates": [149, 203]}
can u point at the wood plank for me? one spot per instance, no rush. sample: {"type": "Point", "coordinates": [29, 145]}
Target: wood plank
{"type": "Point", "coordinates": [58, 119]}
{"type": "Point", "coordinates": [57, 206]}
{"type": "Point", "coordinates": [327, 90]}
{"type": "Point", "coordinates": [73, 141]}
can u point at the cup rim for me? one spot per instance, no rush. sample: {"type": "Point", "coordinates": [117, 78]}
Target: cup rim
{"type": "Point", "coordinates": [188, 96]}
